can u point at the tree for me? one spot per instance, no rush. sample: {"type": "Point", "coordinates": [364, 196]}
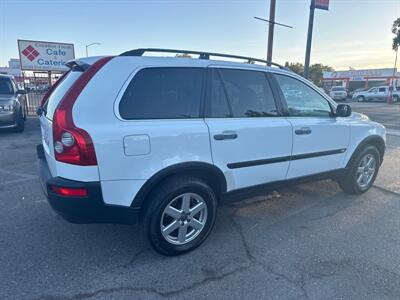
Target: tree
{"type": "Point", "coordinates": [315, 74]}
{"type": "Point", "coordinates": [297, 68]}
{"type": "Point", "coordinates": [396, 32]}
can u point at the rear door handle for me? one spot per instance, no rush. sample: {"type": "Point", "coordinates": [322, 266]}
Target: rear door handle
{"type": "Point", "coordinates": [226, 135]}
{"type": "Point", "coordinates": [303, 131]}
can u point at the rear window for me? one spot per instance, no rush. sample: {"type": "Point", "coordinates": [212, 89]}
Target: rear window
{"type": "Point", "coordinates": [163, 93]}
{"type": "Point", "coordinates": [6, 86]}
{"type": "Point", "coordinates": [338, 89]}
{"type": "Point", "coordinates": [249, 93]}
{"type": "Point", "coordinates": [59, 92]}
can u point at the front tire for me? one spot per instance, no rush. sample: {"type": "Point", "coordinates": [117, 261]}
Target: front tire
{"type": "Point", "coordinates": [180, 215]}
{"type": "Point", "coordinates": [360, 99]}
{"type": "Point", "coordinates": [361, 172]}
{"type": "Point", "coordinates": [20, 122]}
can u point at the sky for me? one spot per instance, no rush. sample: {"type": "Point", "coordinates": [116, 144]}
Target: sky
{"type": "Point", "coordinates": [353, 33]}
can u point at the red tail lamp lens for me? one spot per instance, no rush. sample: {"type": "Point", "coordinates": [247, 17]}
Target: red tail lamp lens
{"type": "Point", "coordinates": [69, 191]}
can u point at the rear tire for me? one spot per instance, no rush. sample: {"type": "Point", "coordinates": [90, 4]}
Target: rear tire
{"type": "Point", "coordinates": [175, 206]}
{"type": "Point", "coordinates": [361, 172]}
{"type": "Point", "coordinates": [396, 98]}
{"type": "Point", "coordinates": [20, 122]}
{"type": "Point", "coordinates": [360, 99]}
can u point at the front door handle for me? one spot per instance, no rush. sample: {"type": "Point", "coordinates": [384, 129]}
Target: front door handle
{"type": "Point", "coordinates": [303, 131]}
{"type": "Point", "coordinates": [226, 135]}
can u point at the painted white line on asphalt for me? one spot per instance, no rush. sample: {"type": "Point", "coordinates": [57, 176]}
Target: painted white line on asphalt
{"type": "Point", "coordinates": [16, 181]}
{"type": "Point", "coordinates": [17, 174]}
{"type": "Point", "coordinates": [393, 132]}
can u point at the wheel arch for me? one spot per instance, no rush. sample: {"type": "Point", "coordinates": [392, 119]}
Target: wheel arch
{"type": "Point", "coordinates": [205, 171]}
{"type": "Point", "coordinates": [374, 140]}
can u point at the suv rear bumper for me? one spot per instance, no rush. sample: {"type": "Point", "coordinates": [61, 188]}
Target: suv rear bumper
{"type": "Point", "coordinates": [86, 209]}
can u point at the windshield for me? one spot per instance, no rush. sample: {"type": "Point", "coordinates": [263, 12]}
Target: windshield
{"type": "Point", "coordinates": [6, 86]}
{"type": "Point", "coordinates": [338, 88]}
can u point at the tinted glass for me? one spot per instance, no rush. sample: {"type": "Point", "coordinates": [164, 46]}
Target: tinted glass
{"type": "Point", "coordinates": [302, 100]}
{"type": "Point", "coordinates": [382, 89]}
{"type": "Point", "coordinates": [163, 93]}
{"type": "Point", "coordinates": [249, 93]}
{"type": "Point", "coordinates": [338, 89]}
{"type": "Point", "coordinates": [6, 86]}
{"type": "Point", "coordinates": [217, 106]}
{"type": "Point", "coordinates": [59, 92]}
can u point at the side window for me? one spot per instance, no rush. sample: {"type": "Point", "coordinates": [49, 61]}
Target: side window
{"type": "Point", "coordinates": [248, 93]}
{"type": "Point", "coordinates": [302, 100]}
{"type": "Point", "coordinates": [217, 105]}
{"type": "Point", "coordinates": [163, 93]}
{"type": "Point", "coordinates": [374, 90]}
{"type": "Point", "coordinates": [382, 89]}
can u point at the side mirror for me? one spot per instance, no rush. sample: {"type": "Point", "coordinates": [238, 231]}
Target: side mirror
{"type": "Point", "coordinates": [343, 110]}
{"type": "Point", "coordinates": [21, 92]}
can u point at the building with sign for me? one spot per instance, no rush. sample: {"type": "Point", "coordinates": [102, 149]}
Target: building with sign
{"type": "Point", "coordinates": [44, 56]}
{"type": "Point", "coordinates": [356, 79]}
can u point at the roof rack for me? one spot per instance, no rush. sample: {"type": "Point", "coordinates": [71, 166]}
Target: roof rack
{"type": "Point", "coordinates": [202, 55]}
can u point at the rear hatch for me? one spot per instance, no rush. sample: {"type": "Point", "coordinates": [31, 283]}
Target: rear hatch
{"type": "Point", "coordinates": [49, 107]}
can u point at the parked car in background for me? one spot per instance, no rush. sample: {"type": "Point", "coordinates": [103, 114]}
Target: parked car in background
{"type": "Point", "coordinates": [174, 136]}
{"type": "Point", "coordinates": [338, 93]}
{"type": "Point", "coordinates": [12, 101]}
{"type": "Point", "coordinates": [351, 93]}
{"type": "Point", "coordinates": [380, 93]}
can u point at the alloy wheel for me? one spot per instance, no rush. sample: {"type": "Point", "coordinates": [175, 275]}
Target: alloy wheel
{"type": "Point", "coordinates": [366, 171]}
{"type": "Point", "coordinates": [183, 218]}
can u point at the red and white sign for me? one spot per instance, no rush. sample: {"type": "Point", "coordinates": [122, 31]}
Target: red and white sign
{"type": "Point", "coordinates": [359, 75]}
{"type": "Point", "coordinates": [321, 4]}
{"type": "Point", "coordinates": [44, 56]}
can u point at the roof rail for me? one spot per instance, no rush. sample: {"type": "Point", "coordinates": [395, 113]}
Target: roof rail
{"type": "Point", "coordinates": [202, 55]}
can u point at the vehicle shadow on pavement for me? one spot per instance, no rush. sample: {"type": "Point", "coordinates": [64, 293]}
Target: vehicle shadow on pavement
{"type": "Point", "coordinates": [259, 240]}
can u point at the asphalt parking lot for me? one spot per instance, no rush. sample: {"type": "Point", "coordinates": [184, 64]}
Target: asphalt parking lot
{"type": "Point", "coordinates": [306, 242]}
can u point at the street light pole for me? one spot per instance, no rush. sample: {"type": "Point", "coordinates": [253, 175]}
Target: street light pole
{"type": "Point", "coordinates": [87, 46]}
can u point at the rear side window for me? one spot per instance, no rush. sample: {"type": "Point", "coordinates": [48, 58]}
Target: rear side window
{"type": "Point", "coordinates": [248, 94]}
{"type": "Point", "coordinates": [382, 89]}
{"type": "Point", "coordinates": [59, 92]}
{"type": "Point", "coordinates": [6, 86]}
{"type": "Point", "coordinates": [218, 105]}
{"type": "Point", "coordinates": [163, 93]}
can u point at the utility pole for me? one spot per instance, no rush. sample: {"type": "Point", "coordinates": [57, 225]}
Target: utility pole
{"type": "Point", "coordinates": [271, 30]}
{"type": "Point", "coordinates": [309, 39]}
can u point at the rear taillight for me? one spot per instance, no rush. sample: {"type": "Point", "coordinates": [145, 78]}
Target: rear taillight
{"type": "Point", "coordinates": [73, 145]}
{"type": "Point", "coordinates": [64, 191]}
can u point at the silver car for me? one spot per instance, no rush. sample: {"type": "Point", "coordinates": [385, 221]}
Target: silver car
{"type": "Point", "coordinates": [12, 100]}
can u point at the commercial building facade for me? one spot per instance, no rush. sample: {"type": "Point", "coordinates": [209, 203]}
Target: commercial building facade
{"type": "Point", "coordinates": [356, 79]}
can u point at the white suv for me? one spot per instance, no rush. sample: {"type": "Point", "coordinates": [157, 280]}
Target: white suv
{"type": "Point", "coordinates": [162, 139]}
{"type": "Point", "coordinates": [338, 93]}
